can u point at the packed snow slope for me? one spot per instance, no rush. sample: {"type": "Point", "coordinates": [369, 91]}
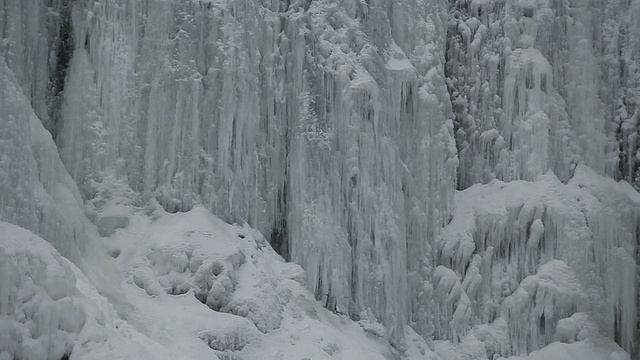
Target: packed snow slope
{"type": "Point", "coordinates": [456, 179]}
{"type": "Point", "coordinates": [194, 287]}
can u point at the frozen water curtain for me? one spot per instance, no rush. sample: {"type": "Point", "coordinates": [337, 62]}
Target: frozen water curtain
{"type": "Point", "coordinates": [443, 165]}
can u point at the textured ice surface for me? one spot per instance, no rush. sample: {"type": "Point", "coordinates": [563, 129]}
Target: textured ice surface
{"type": "Point", "coordinates": [339, 131]}
{"type": "Point", "coordinates": [37, 192]}
{"type": "Point", "coordinates": [533, 253]}
{"type": "Point", "coordinates": [296, 118]}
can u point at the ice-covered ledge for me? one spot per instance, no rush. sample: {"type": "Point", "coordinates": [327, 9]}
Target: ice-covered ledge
{"type": "Point", "coordinates": [546, 249]}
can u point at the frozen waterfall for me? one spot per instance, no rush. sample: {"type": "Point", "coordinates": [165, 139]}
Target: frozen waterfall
{"type": "Point", "coordinates": [465, 169]}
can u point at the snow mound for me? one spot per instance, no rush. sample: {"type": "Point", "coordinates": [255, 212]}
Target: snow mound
{"type": "Point", "coordinates": [48, 309]}
{"type": "Point", "coordinates": [213, 289]}
{"type": "Point", "coordinates": [194, 287]}
{"type": "Point", "coordinates": [39, 315]}
{"type": "Point", "coordinates": [575, 351]}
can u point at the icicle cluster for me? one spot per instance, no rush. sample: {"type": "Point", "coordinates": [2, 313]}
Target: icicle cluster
{"type": "Point", "coordinates": [324, 125]}
{"type": "Point", "coordinates": [37, 193]}
{"type": "Point", "coordinates": [543, 85]}
{"type": "Point", "coordinates": [339, 130]}
{"type": "Point", "coordinates": [543, 249]}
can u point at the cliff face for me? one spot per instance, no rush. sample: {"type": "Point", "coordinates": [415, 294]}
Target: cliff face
{"type": "Point", "coordinates": [356, 136]}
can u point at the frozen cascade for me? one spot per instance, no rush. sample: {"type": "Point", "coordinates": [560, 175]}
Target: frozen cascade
{"type": "Point", "coordinates": [40, 194]}
{"type": "Point", "coordinates": [581, 55]}
{"type": "Point", "coordinates": [264, 112]}
{"type": "Point", "coordinates": [257, 111]}
{"type": "Point", "coordinates": [544, 249]}
{"type": "Point", "coordinates": [510, 115]}
{"type": "Point", "coordinates": [340, 131]}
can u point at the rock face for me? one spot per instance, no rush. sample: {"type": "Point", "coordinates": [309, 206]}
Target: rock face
{"type": "Point", "coordinates": [356, 136]}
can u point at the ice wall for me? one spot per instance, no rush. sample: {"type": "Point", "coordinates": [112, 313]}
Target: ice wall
{"type": "Point", "coordinates": [541, 86]}
{"type": "Point", "coordinates": [619, 45]}
{"type": "Point", "coordinates": [36, 192]}
{"type": "Point", "coordinates": [339, 130]}
{"type": "Point", "coordinates": [534, 253]}
{"type": "Point", "coordinates": [565, 69]}
{"type": "Point", "coordinates": [324, 125]}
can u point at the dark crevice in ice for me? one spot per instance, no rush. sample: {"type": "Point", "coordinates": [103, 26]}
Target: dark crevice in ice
{"type": "Point", "coordinates": [63, 51]}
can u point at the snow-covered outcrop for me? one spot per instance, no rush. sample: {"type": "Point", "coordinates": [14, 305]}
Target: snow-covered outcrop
{"type": "Point", "coordinates": [200, 283]}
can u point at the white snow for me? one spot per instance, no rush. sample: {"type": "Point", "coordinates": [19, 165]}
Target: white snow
{"type": "Point", "coordinates": [48, 308]}
{"type": "Point", "coordinates": [575, 351]}
{"type": "Point", "coordinates": [178, 310]}
{"type": "Point", "coordinates": [201, 287]}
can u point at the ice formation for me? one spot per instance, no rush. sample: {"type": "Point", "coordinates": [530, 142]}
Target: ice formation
{"type": "Point", "coordinates": [49, 310]}
{"type": "Point", "coordinates": [462, 172]}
